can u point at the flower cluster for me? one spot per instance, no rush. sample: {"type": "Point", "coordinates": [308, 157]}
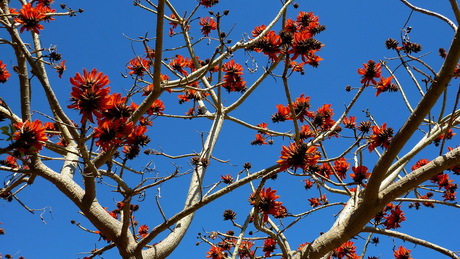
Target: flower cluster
{"type": "Point", "coordinates": [391, 216]}
{"type": "Point", "coordinates": [267, 204]}
{"type": "Point", "coordinates": [4, 74]}
{"type": "Point", "coordinates": [30, 16]}
{"type": "Point", "coordinates": [402, 253]}
{"type": "Point", "coordinates": [360, 174]}
{"type": "Point", "coordinates": [207, 25]}
{"type": "Point", "coordinates": [381, 137]}
{"type": "Point", "coordinates": [296, 38]}
{"type": "Point", "coordinates": [346, 251]}
{"type": "Point", "coordinates": [233, 80]}
{"type": "Point", "coordinates": [298, 156]}
{"type": "Point", "coordinates": [29, 138]}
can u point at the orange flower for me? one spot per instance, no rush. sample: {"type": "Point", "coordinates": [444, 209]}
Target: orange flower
{"type": "Point", "coordinates": [215, 253]}
{"type": "Point", "coordinates": [138, 66]}
{"type": "Point", "coordinates": [269, 44]}
{"type": "Point", "coordinates": [419, 164]}
{"type": "Point", "coordinates": [90, 101]}
{"type": "Point", "coordinates": [369, 72]}
{"type": "Point", "coordinates": [60, 68]}
{"type": "Point", "coordinates": [346, 250]}
{"type": "Point", "coordinates": [233, 80]}
{"type": "Point", "coordinates": [30, 17]}
{"type": "Point", "coordinates": [260, 140]}
{"type": "Point", "coordinates": [384, 85]}
{"type": "Point", "coordinates": [269, 246]}
{"type": "Point", "coordinates": [93, 78]}
{"type": "Point", "coordinates": [207, 25]}
{"type": "Point", "coordinates": [360, 174]}
{"type": "Point", "coordinates": [179, 63]}
{"type": "Point", "coordinates": [268, 204]}
{"type": "Point", "coordinates": [298, 156]}
{"type": "Point", "coordinates": [349, 122]}
{"type": "Point", "coordinates": [112, 133]}
{"type": "Point", "coordinates": [4, 74]}
{"type": "Point", "coordinates": [208, 3]}
{"type": "Point", "coordinates": [143, 230]}
{"type": "Point", "coordinates": [402, 253]}
{"type": "Point", "coordinates": [341, 167]}
{"type": "Point", "coordinates": [381, 137]}
{"type": "Point", "coordinates": [30, 137]}
{"type": "Point", "coordinates": [157, 108]}
{"type": "Point", "coordinates": [301, 106]}
{"type": "Point", "coordinates": [303, 45]}
{"type": "Point", "coordinates": [395, 218]}
{"type": "Point", "coordinates": [282, 114]}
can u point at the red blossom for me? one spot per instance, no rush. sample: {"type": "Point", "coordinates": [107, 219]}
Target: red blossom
{"type": "Point", "coordinates": [347, 251]}
{"type": "Point", "coordinates": [60, 68]}
{"type": "Point", "coordinates": [394, 219]}
{"type": "Point", "coordinates": [402, 253]}
{"type": "Point", "coordinates": [268, 204]}
{"type": "Point", "coordinates": [30, 17]}
{"type": "Point", "coordinates": [370, 71]}
{"type": "Point", "coordinates": [360, 174]}
{"type": "Point", "coordinates": [215, 253]}
{"type": "Point", "coordinates": [208, 3]}
{"type": "Point", "coordinates": [384, 85]}
{"type": "Point", "coordinates": [381, 137]}
{"type": "Point", "coordinates": [207, 25]}
{"type": "Point", "coordinates": [4, 74]}
{"type": "Point", "coordinates": [298, 156]}
{"type": "Point", "coordinates": [269, 246]}
{"type": "Point", "coordinates": [341, 167]}
{"type": "Point", "coordinates": [138, 66]}
{"type": "Point", "coordinates": [233, 80]}
{"type": "Point", "coordinates": [30, 137]}
{"type": "Point", "coordinates": [179, 63]}
{"type": "Point", "coordinates": [143, 230]}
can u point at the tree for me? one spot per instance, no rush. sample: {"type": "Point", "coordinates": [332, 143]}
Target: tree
{"type": "Point", "coordinates": [92, 143]}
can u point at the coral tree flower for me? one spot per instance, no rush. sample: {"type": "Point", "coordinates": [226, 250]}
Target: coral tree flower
{"type": "Point", "coordinates": [268, 204]}
{"type": "Point", "coordinates": [233, 80]}
{"type": "Point", "coordinates": [360, 173]}
{"type": "Point", "coordinates": [381, 137]}
{"type": "Point", "coordinates": [402, 253]}
{"type": "Point", "coordinates": [60, 68]}
{"type": "Point", "coordinates": [207, 25]}
{"type": "Point", "coordinates": [30, 17]}
{"type": "Point", "coordinates": [384, 85]}
{"type": "Point", "coordinates": [208, 3]}
{"type": "Point", "coordinates": [394, 219]}
{"type": "Point", "coordinates": [215, 252]}
{"type": "Point", "coordinates": [370, 71]}
{"type": "Point", "coordinates": [143, 230]}
{"type": "Point", "coordinates": [89, 94]}
{"type": "Point", "coordinates": [4, 74]}
{"type": "Point", "coordinates": [298, 156]}
{"type": "Point", "coordinates": [30, 137]}
{"type": "Point", "coordinates": [138, 66]}
{"type": "Point", "coordinates": [269, 246]}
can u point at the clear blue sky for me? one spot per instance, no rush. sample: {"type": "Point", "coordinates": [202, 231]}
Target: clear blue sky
{"type": "Point", "coordinates": [98, 38]}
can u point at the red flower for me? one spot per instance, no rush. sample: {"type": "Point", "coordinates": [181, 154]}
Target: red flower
{"type": "Point", "coordinates": [10, 161]}
{"type": "Point", "coordinates": [116, 108]}
{"type": "Point", "coordinates": [419, 164]}
{"type": "Point", "coordinates": [30, 17]}
{"type": "Point", "coordinates": [90, 101]}
{"type": "Point", "coordinates": [447, 135]}
{"type": "Point", "coordinates": [93, 78]}
{"type": "Point", "coordinates": [4, 74]}
{"type": "Point", "coordinates": [304, 45]}
{"type": "Point", "coordinates": [269, 44]}
{"type": "Point", "coordinates": [215, 253]}
{"type": "Point", "coordinates": [369, 72]}
{"type": "Point", "coordinates": [402, 253]}
{"type": "Point", "coordinates": [323, 117]}
{"type": "Point", "coordinates": [341, 167]}
{"type": "Point", "coordinates": [30, 137]}
{"type": "Point", "coordinates": [360, 174]}
{"type": "Point", "coordinates": [395, 218]}
{"type": "Point", "coordinates": [349, 122]}
{"type": "Point", "coordinates": [233, 80]}
{"type": "Point", "coordinates": [301, 106]}
{"type": "Point", "coordinates": [143, 230]}
{"type": "Point", "coordinates": [381, 137]}
{"type": "Point", "coordinates": [260, 140]}
{"type": "Point", "coordinates": [138, 66]}
{"type": "Point", "coordinates": [384, 85]}
{"type": "Point", "coordinates": [456, 168]}
{"type": "Point", "coordinates": [207, 25]}
{"type": "Point", "coordinates": [227, 179]}
{"type": "Point", "coordinates": [306, 132]}
{"type": "Point", "coordinates": [269, 246]}
{"type": "Point", "coordinates": [268, 204]}
{"type": "Point", "coordinates": [298, 156]}
{"type": "Point", "coordinates": [179, 63]}
{"type": "Point", "coordinates": [157, 108]}
{"type": "Point", "coordinates": [208, 3]}
{"type": "Point", "coordinates": [315, 202]}
{"type": "Point", "coordinates": [60, 68]}
{"type": "Point", "coordinates": [282, 114]}
{"type": "Point", "coordinates": [112, 133]}
{"type": "Point", "coordinates": [346, 250]}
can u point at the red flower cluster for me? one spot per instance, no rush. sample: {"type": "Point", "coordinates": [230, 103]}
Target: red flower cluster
{"type": "Point", "coordinates": [341, 167]}
{"type": "Point", "coordinates": [268, 204]}
{"type": "Point", "coordinates": [143, 230]}
{"type": "Point", "coordinates": [261, 135]}
{"type": "Point", "coordinates": [216, 252]}
{"type": "Point", "coordinates": [381, 137]}
{"type": "Point", "coordinates": [402, 253]}
{"type": "Point", "coordinates": [269, 246]}
{"type": "Point", "coordinates": [315, 202]}
{"type": "Point", "coordinates": [4, 74]}
{"type": "Point", "coordinates": [296, 38]}
{"type": "Point", "coordinates": [298, 156]}
{"type": "Point", "coordinates": [30, 17]}
{"type": "Point", "coordinates": [443, 182]}
{"type": "Point", "coordinates": [29, 138]}
{"type": "Point", "coordinates": [208, 3]}
{"type": "Point", "coordinates": [138, 66]}
{"type": "Point", "coordinates": [370, 71]}
{"type": "Point", "coordinates": [384, 85]}
{"type": "Point", "coordinates": [346, 251]}
{"type": "Point", "coordinates": [233, 80]}
{"type": "Point", "coordinates": [360, 174]}
{"type": "Point", "coordinates": [179, 63]}
{"type": "Point", "coordinates": [207, 25]}
{"type": "Point", "coordinates": [395, 216]}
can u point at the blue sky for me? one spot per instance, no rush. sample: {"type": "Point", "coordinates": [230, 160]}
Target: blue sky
{"type": "Point", "coordinates": [98, 38]}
